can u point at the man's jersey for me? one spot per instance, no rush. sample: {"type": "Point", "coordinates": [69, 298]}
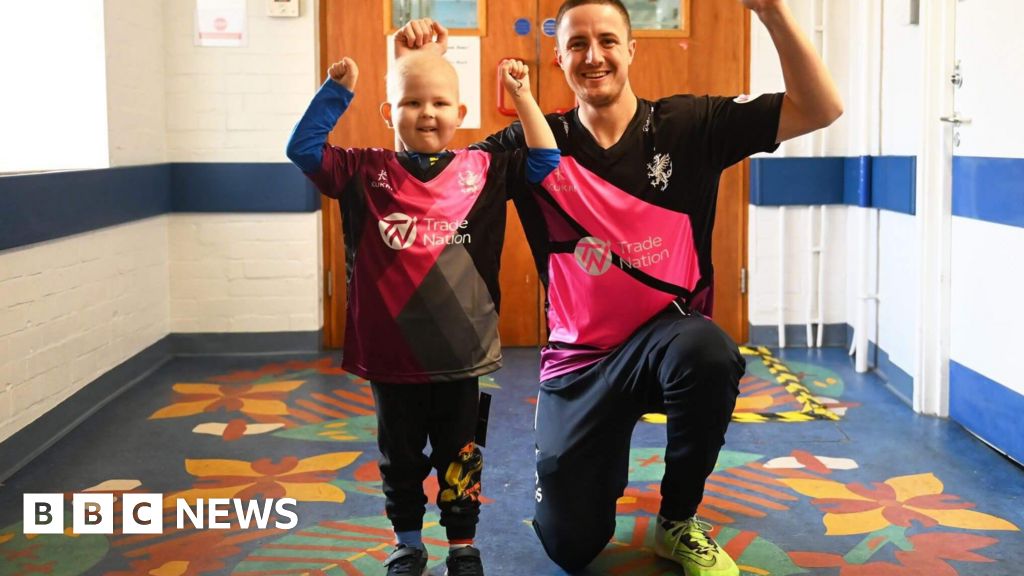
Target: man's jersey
{"type": "Point", "coordinates": [423, 248]}
{"type": "Point", "coordinates": [620, 233]}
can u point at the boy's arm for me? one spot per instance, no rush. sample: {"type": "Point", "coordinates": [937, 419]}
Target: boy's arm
{"type": "Point", "coordinates": [306, 144]}
{"type": "Point", "coordinates": [543, 155]}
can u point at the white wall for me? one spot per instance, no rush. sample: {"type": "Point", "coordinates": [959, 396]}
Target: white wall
{"type": "Point", "coordinates": [985, 271]}
{"type": "Point", "coordinates": [843, 29]}
{"type": "Point", "coordinates": [241, 272]}
{"type": "Point", "coordinates": [765, 269]}
{"type": "Point", "coordinates": [986, 314]}
{"type": "Point", "coordinates": [72, 309]}
{"type": "Point", "coordinates": [900, 135]}
{"type": "Point", "coordinates": [238, 104]}
{"type": "Point", "coordinates": [136, 112]}
{"type": "Point", "coordinates": [899, 288]}
{"type": "Point", "coordinates": [245, 272]}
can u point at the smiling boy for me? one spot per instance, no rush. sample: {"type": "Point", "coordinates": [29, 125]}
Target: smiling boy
{"type": "Point", "coordinates": [423, 233]}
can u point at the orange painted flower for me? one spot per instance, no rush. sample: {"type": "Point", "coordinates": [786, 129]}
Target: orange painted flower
{"type": "Point", "coordinates": [261, 399]}
{"type": "Point", "coordinates": [306, 480]}
{"type": "Point", "coordinates": [930, 554]}
{"type": "Point", "coordinates": [857, 509]}
{"type": "Point", "coordinates": [325, 366]}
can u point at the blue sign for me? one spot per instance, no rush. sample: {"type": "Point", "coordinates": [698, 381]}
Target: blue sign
{"type": "Point", "coordinates": [548, 27]}
{"type": "Point", "coordinates": [523, 26]}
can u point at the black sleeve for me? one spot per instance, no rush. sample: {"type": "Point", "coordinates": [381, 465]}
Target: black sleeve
{"type": "Point", "coordinates": [510, 138]}
{"type": "Point", "coordinates": [516, 183]}
{"type": "Point", "coordinates": [739, 127]}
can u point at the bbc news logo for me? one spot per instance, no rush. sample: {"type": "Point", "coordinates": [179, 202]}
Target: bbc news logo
{"type": "Point", "coordinates": [93, 513]}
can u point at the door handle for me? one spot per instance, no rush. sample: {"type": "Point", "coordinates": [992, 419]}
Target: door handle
{"type": "Point", "coordinates": [956, 119]}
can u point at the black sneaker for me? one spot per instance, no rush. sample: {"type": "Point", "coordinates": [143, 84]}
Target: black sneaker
{"type": "Point", "coordinates": [406, 561]}
{"type": "Point", "coordinates": [464, 561]}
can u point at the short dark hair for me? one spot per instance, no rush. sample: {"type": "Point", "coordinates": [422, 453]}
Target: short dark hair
{"type": "Point", "coordinates": [617, 4]}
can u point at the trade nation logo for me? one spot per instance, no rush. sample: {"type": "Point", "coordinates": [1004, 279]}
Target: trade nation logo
{"type": "Point", "coordinates": [398, 230]}
{"type": "Point", "coordinates": [593, 255]}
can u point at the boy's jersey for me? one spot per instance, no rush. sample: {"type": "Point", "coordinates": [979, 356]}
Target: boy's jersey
{"type": "Point", "coordinates": [619, 233]}
{"type": "Point", "coordinates": [423, 248]}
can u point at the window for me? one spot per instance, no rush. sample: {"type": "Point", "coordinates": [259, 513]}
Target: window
{"type": "Point", "coordinates": [53, 105]}
{"type": "Point", "coordinates": [659, 18]}
{"type": "Point", "coordinates": [466, 16]}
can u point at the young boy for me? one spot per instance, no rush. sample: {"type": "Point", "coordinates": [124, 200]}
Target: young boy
{"type": "Point", "coordinates": [423, 235]}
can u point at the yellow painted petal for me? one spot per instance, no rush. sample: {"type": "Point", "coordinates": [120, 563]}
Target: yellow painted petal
{"type": "Point", "coordinates": [748, 403]}
{"type": "Point", "coordinates": [173, 568]}
{"type": "Point", "coordinates": [198, 389]}
{"type": "Point", "coordinates": [908, 487]}
{"type": "Point", "coordinates": [968, 519]}
{"type": "Point", "coordinates": [268, 407]}
{"type": "Point", "coordinates": [182, 409]}
{"type": "Point", "coordinates": [216, 467]}
{"type": "Point", "coordinates": [330, 461]}
{"type": "Point", "coordinates": [6, 537]}
{"type": "Point", "coordinates": [282, 386]}
{"type": "Point", "coordinates": [822, 489]}
{"type": "Point", "coordinates": [322, 492]}
{"type": "Point", "coordinates": [855, 522]}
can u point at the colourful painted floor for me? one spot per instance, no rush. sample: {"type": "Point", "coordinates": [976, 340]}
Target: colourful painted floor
{"type": "Point", "coordinates": [825, 472]}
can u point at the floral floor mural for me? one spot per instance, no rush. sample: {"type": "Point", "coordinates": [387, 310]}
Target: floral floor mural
{"type": "Point", "coordinates": [825, 472]}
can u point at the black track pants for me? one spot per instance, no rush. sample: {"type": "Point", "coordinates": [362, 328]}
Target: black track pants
{"type": "Point", "coordinates": [446, 413]}
{"type": "Point", "coordinates": [684, 366]}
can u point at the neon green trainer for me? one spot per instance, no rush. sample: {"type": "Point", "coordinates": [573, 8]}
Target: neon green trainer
{"type": "Point", "coordinates": [689, 544]}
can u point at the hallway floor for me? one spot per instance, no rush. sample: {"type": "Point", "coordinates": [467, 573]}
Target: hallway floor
{"type": "Point", "coordinates": [824, 472]}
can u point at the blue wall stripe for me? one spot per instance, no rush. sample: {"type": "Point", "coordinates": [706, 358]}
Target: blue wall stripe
{"type": "Point", "coordinates": [990, 189]}
{"type": "Point", "coordinates": [857, 181]}
{"type": "Point", "coordinates": [39, 207]}
{"type": "Point", "coordinates": [988, 409]}
{"type": "Point", "coordinates": [222, 187]}
{"type": "Point", "coordinates": [894, 183]}
{"type": "Point", "coordinates": [796, 181]}
{"type": "Point", "coordinates": [885, 182]}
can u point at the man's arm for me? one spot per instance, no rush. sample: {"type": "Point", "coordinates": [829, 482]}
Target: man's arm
{"type": "Point", "coordinates": [812, 100]}
{"type": "Point", "coordinates": [421, 34]}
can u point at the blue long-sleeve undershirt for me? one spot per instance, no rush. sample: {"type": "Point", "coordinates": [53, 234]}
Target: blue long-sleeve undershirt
{"type": "Point", "coordinates": [305, 146]}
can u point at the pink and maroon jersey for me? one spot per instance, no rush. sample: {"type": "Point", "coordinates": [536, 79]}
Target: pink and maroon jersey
{"type": "Point", "coordinates": [423, 247]}
{"type": "Point", "coordinates": [620, 233]}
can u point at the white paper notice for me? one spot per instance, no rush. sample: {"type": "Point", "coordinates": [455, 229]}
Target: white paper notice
{"type": "Point", "coordinates": [464, 54]}
{"type": "Point", "coordinates": [221, 23]}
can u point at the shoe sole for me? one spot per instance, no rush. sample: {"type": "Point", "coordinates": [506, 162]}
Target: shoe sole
{"type": "Point", "coordinates": [667, 555]}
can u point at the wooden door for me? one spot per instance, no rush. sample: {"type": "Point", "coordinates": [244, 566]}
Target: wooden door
{"type": "Point", "coordinates": [713, 60]}
{"type": "Point", "coordinates": [356, 29]}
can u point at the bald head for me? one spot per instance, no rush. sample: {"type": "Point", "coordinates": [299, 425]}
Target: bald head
{"type": "Point", "coordinates": [420, 65]}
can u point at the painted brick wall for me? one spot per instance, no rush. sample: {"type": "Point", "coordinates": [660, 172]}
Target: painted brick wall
{"type": "Point", "coordinates": [237, 104]}
{"type": "Point", "coordinates": [241, 272]}
{"type": "Point", "coordinates": [764, 265]}
{"type": "Point", "coordinates": [245, 273]}
{"type": "Point", "coordinates": [72, 309]}
{"type": "Point", "coordinates": [135, 82]}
